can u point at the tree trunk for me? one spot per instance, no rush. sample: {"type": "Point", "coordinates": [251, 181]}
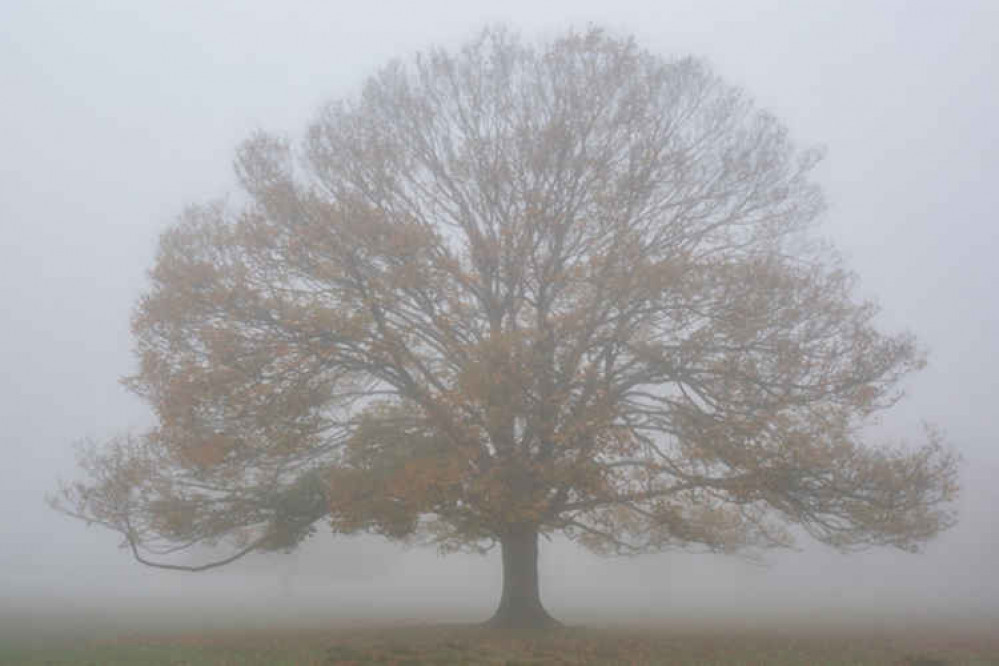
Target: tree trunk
{"type": "Point", "coordinates": [520, 606]}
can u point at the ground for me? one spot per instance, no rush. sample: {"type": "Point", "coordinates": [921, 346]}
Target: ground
{"type": "Point", "coordinates": [409, 643]}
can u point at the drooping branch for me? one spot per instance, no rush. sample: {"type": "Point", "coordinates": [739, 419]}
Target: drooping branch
{"type": "Point", "coordinates": [239, 554]}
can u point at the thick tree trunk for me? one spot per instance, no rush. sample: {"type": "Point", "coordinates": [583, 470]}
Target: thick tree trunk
{"type": "Point", "coordinates": [520, 606]}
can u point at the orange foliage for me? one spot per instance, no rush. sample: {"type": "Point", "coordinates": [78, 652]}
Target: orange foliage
{"type": "Point", "coordinates": [572, 288]}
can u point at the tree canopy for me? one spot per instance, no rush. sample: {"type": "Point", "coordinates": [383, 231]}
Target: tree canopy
{"type": "Point", "coordinates": [516, 289]}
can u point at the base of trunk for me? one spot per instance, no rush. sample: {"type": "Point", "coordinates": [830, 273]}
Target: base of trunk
{"type": "Point", "coordinates": [520, 606]}
{"type": "Point", "coordinates": [531, 617]}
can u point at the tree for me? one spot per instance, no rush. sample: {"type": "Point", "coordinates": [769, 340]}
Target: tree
{"type": "Point", "coordinates": [507, 292]}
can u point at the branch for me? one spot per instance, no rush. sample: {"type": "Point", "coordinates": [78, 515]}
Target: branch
{"type": "Point", "coordinates": [134, 546]}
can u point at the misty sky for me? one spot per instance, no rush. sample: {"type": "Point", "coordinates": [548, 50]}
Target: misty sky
{"type": "Point", "coordinates": [114, 115]}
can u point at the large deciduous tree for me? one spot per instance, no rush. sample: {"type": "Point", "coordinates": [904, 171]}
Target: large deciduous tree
{"type": "Point", "coordinates": [506, 292]}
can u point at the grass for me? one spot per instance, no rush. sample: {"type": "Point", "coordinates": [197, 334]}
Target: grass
{"type": "Point", "coordinates": [409, 645]}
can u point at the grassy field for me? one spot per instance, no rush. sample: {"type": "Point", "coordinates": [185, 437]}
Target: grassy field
{"type": "Point", "coordinates": [410, 644]}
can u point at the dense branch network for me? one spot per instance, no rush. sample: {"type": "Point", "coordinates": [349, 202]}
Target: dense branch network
{"type": "Point", "coordinates": [570, 287]}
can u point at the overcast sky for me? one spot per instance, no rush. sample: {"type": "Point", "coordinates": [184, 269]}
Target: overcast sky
{"type": "Point", "coordinates": [114, 115]}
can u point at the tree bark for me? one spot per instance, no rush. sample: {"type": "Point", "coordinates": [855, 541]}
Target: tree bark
{"type": "Point", "coordinates": [520, 605]}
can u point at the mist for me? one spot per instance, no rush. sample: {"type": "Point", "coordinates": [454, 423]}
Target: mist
{"type": "Point", "coordinates": [117, 115]}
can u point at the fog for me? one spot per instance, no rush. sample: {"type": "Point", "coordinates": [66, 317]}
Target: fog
{"type": "Point", "coordinates": [115, 115]}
